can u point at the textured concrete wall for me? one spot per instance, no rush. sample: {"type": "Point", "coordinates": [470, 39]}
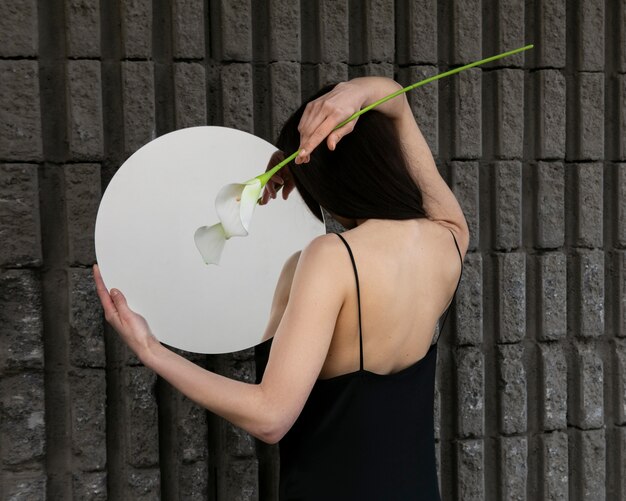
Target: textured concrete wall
{"type": "Point", "coordinates": [531, 388]}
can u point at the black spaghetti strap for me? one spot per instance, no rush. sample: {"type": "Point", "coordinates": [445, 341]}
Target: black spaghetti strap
{"type": "Point", "coordinates": [457, 286]}
{"type": "Point", "coordinates": [358, 295]}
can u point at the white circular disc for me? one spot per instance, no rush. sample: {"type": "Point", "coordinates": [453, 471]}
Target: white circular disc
{"type": "Point", "coordinates": [144, 239]}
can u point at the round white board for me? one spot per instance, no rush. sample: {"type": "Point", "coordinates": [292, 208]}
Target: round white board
{"type": "Point", "coordinates": [145, 247]}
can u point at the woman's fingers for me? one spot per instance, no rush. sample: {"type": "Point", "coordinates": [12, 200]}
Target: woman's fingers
{"type": "Point", "coordinates": [116, 310]}
{"type": "Point", "coordinates": [265, 197]}
{"type": "Point", "coordinates": [110, 310]}
{"type": "Point", "coordinates": [321, 116]}
{"type": "Point", "coordinates": [311, 141]}
{"type": "Point", "coordinates": [131, 326]}
{"type": "Point", "coordinates": [314, 114]}
{"type": "Point", "coordinates": [121, 305]}
{"type": "Point", "coordinates": [280, 180]}
{"type": "Point", "coordinates": [287, 190]}
{"type": "Point", "coordinates": [273, 185]}
{"type": "Point", "coordinates": [335, 136]}
{"type": "Point", "coordinates": [268, 192]}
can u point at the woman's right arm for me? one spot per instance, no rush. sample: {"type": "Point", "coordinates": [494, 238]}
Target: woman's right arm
{"type": "Point", "coordinates": [281, 295]}
{"type": "Point", "coordinates": [323, 114]}
{"type": "Point", "coordinates": [266, 410]}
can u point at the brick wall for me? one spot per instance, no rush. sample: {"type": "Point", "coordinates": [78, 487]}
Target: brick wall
{"type": "Point", "coordinates": [531, 387]}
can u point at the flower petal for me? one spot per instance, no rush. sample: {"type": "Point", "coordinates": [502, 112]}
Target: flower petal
{"type": "Point", "coordinates": [210, 242]}
{"type": "Point", "coordinates": [249, 198]}
{"type": "Point", "coordinates": [228, 208]}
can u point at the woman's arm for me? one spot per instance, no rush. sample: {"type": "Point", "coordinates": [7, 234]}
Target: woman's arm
{"type": "Point", "coordinates": [326, 112]}
{"type": "Point", "coordinates": [281, 295]}
{"type": "Point", "coordinates": [266, 410]}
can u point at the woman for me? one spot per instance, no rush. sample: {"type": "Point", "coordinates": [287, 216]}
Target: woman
{"type": "Point", "coordinates": [348, 387]}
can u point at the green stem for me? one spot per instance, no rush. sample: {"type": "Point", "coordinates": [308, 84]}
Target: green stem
{"type": "Point", "coordinates": [431, 79]}
{"type": "Point", "coordinates": [265, 177]}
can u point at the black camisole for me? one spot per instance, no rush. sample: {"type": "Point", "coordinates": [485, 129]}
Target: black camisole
{"type": "Point", "coordinates": [365, 436]}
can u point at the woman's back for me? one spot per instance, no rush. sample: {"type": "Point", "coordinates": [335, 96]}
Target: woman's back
{"type": "Point", "coordinates": [366, 430]}
{"type": "Point", "coordinates": [408, 271]}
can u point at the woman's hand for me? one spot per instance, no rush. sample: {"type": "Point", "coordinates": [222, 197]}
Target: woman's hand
{"type": "Point", "coordinates": [131, 326]}
{"type": "Point", "coordinates": [282, 179]}
{"type": "Point", "coordinates": [323, 114]}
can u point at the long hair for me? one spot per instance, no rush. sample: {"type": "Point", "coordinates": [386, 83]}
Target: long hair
{"type": "Point", "coordinates": [367, 176]}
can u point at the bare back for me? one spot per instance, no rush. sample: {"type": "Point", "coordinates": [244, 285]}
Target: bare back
{"type": "Point", "coordinates": [408, 272]}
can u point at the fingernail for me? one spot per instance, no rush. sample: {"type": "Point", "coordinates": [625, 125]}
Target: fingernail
{"type": "Point", "coordinates": [114, 292]}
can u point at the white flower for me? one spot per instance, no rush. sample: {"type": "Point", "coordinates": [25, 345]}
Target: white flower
{"type": "Point", "coordinates": [234, 205]}
{"type": "Point", "coordinates": [210, 242]}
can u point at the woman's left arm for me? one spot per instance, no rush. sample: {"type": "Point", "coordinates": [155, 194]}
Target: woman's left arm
{"type": "Point", "coordinates": [266, 410]}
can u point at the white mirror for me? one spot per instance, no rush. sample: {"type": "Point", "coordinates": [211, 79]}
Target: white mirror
{"type": "Point", "coordinates": [144, 239]}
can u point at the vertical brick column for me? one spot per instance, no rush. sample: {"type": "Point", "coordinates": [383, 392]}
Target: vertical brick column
{"type": "Point", "coordinates": [232, 30]}
{"type": "Point", "coordinates": [19, 34]}
{"type": "Point", "coordinates": [136, 28]}
{"type": "Point", "coordinates": [325, 57]}
{"type": "Point", "coordinates": [84, 102]}
{"type": "Point", "coordinates": [188, 29]}
{"type": "Point", "coordinates": [87, 361]}
{"type": "Point", "coordinates": [22, 412]}
{"type": "Point", "coordinates": [138, 104]}
{"type": "Point", "coordinates": [20, 127]}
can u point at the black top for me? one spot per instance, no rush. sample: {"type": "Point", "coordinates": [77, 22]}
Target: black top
{"type": "Point", "coordinates": [365, 436]}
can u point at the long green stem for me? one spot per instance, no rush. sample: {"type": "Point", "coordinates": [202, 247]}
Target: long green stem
{"type": "Point", "coordinates": [431, 79]}
{"type": "Point", "coordinates": [264, 178]}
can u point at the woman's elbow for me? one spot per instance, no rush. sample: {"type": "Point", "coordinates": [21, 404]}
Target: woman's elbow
{"type": "Point", "coordinates": [270, 422]}
{"type": "Point", "coordinates": [272, 429]}
{"type": "Point", "coordinates": [271, 437]}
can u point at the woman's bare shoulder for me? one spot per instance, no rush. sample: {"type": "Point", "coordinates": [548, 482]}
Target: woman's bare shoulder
{"type": "Point", "coordinates": [319, 245]}
{"type": "Point", "coordinates": [327, 242]}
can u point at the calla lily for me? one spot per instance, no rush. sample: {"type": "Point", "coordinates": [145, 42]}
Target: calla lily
{"type": "Point", "coordinates": [235, 203]}
{"type": "Point", "coordinates": [210, 242]}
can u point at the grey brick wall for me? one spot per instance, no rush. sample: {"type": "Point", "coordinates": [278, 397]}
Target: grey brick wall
{"type": "Point", "coordinates": [531, 386]}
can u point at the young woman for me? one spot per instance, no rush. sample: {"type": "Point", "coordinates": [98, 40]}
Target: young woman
{"type": "Point", "coordinates": [348, 388]}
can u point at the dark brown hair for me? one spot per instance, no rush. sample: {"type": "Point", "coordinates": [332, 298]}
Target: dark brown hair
{"type": "Point", "coordinates": [367, 176]}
